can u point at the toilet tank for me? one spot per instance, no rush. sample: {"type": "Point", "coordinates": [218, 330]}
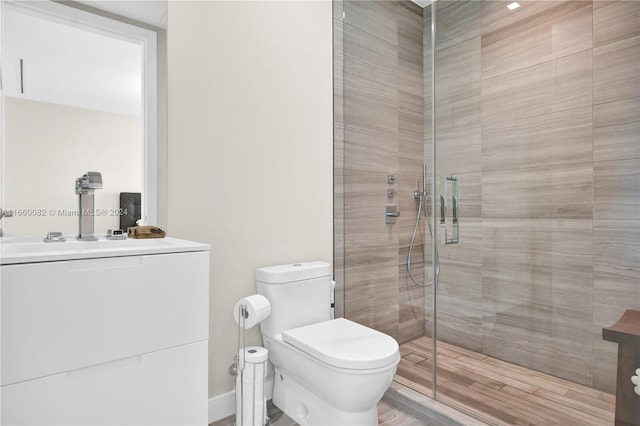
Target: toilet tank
{"type": "Point", "coordinates": [299, 293]}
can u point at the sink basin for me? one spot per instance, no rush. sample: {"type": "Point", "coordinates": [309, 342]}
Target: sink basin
{"type": "Point", "coordinates": [32, 249]}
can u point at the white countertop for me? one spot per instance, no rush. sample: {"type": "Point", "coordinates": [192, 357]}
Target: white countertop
{"type": "Point", "coordinates": [16, 250]}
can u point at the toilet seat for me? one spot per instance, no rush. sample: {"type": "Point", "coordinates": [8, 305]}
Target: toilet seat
{"type": "Point", "coordinates": [345, 344]}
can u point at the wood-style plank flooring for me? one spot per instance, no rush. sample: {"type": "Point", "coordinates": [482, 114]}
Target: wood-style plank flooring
{"type": "Point", "coordinates": [387, 416]}
{"type": "Point", "coordinates": [499, 392]}
{"type": "Point", "coordinates": [391, 416]}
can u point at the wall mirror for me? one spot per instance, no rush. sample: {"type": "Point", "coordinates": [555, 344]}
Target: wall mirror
{"type": "Point", "coordinates": [78, 95]}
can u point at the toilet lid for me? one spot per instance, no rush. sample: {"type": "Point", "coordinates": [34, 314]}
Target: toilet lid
{"type": "Point", "coordinates": [344, 343]}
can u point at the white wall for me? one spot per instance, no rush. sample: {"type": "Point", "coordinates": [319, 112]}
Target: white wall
{"type": "Point", "coordinates": [250, 145]}
{"type": "Point", "coordinates": [48, 146]}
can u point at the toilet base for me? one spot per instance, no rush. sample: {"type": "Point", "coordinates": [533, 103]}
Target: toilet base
{"type": "Point", "coordinates": [306, 408]}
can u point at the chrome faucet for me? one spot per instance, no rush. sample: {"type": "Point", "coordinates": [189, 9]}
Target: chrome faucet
{"type": "Point", "coordinates": [85, 187]}
{"type": "Point", "coordinates": [4, 213]}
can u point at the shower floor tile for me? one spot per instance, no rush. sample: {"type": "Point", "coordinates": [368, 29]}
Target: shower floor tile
{"type": "Point", "coordinates": [498, 392]}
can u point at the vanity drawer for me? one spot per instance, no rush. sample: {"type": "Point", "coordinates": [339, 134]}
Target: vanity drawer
{"type": "Point", "coordinates": [61, 316]}
{"type": "Point", "coordinates": [168, 387]}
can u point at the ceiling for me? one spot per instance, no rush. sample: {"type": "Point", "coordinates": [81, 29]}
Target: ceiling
{"type": "Point", "coordinates": [150, 12]}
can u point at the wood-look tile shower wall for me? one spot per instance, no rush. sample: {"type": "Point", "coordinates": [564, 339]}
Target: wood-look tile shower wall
{"type": "Point", "coordinates": [382, 134]}
{"type": "Point", "coordinates": [538, 112]}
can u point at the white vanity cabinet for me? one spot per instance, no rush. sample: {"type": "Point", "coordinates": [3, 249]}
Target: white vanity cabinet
{"type": "Point", "coordinates": [106, 340]}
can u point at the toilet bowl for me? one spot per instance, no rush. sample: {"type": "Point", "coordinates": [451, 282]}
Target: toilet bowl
{"type": "Point", "coordinates": [327, 371]}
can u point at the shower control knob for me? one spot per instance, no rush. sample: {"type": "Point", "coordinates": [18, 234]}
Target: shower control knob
{"type": "Point", "coordinates": [391, 214]}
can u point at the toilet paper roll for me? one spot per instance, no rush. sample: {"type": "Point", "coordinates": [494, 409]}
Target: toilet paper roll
{"type": "Point", "coordinates": [253, 355]}
{"type": "Point", "coordinates": [253, 412]}
{"type": "Point", "coordinates": [250, 397]}
{"type": "Point", "coordinates": [258, 308]}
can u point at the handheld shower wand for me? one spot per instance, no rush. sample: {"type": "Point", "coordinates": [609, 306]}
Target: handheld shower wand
{"type": "Point", "coordinates": [418, 194]}
{"type": "Point", "coordinates": [421, 197]}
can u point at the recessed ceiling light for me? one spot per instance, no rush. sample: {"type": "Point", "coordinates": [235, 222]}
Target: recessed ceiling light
{"type": "Point", "coordinates": [512, 6]}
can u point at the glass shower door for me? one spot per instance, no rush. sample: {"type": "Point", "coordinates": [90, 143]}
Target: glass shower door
{"type": "Point", "coordinates": [533, 126]}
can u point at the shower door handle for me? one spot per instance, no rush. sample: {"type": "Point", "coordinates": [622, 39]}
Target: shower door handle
{"type": "Point", "coordinates": [455, 200]}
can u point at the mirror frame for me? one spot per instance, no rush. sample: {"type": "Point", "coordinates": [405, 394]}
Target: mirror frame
{"type": "Point", "coordinates": [147, 39]}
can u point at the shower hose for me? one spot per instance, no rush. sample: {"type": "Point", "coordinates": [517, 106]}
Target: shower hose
{"type": "Point", "coordinates": [421, 197]}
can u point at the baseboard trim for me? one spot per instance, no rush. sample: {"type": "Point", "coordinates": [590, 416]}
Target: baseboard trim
{"type": "Point", "coordinates": [221, 406]}
{"type": "Point", "coordinates": [224, 405]}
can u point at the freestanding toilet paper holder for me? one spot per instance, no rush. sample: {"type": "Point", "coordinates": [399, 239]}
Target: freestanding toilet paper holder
{"type": "Point", "coordinates": [243, 314]}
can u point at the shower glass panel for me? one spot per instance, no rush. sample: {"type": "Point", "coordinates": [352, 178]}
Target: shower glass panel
{"type": "Point", "coordinates": [379, 155]}
{"type": "Point", "coordinates": [524, 123]}
{"type": "Point", "coordinates": [525, 118]}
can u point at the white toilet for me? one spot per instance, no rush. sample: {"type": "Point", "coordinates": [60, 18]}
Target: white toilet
{"type": "Point", "coordinates": [327, 372]}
